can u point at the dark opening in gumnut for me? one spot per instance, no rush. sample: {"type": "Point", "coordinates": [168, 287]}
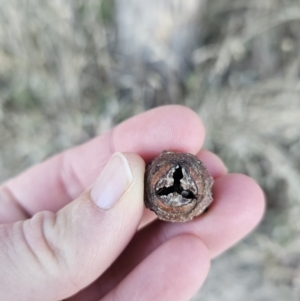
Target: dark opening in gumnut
{"type": "Point", "coordinates": [177, 176]}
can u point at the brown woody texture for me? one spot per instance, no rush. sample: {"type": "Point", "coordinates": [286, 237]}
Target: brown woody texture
{"type": "Point", "coordinates": [177, 186]}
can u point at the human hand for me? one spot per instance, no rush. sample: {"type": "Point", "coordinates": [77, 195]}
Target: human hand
{"type": "Point", "coordinates": [59, 239]}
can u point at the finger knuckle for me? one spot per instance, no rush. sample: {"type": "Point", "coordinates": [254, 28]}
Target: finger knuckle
{"type": "Point", "coordinates": [43, 240]}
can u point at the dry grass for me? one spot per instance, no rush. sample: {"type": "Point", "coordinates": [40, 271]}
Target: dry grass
{"type": "Point", "coordinates": [60, 85]}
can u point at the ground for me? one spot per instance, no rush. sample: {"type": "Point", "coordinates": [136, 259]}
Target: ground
{"type": "Point", "coordinates": [58, 88]}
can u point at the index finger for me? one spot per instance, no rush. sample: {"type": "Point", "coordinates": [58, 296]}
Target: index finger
{"type": "Point", "coordinates": [62, 178]}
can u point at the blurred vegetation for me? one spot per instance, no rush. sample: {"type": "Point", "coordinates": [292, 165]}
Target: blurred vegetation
{"type": "Point", "coordinates": [59, 86]}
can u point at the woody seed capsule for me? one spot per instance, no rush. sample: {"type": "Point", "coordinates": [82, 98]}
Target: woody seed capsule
{"type": "Point", "coordinates": [177, 186]}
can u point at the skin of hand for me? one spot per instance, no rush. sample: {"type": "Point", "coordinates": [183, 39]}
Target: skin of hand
{"type": "Point", "coordinates": [75, 226]}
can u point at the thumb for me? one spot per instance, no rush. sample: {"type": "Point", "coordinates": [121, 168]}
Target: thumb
{"type": "Point", "coordinates": [53, 256]}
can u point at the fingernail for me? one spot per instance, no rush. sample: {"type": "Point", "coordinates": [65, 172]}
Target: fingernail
{"type": "Point", "coordinates": [112, 182]}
